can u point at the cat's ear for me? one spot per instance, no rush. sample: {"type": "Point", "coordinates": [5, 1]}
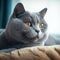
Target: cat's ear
{"type": "Point", "coordinates": [43, 12]}
{"type": "Point", "coordinates": [19, 9]}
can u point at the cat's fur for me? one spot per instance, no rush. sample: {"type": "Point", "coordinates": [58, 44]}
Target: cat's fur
{"type": "Point", "coordinates": [18, 34]}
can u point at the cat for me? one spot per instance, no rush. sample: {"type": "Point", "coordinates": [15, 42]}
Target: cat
{"type": "Point", "coordinates": [24, 29]}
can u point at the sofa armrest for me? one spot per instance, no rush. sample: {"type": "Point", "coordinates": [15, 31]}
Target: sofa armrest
{"type": "Point", "coordinates": [33, 53]}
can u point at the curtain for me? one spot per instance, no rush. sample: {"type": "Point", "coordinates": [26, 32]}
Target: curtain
{"type": "Point", "coordinates": [5, 10]}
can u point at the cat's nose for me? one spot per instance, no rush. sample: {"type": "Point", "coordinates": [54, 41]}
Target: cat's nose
{"type": "Point", "coordinates": [37, 31]}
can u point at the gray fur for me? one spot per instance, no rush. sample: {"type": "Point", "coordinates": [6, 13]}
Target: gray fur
{"type": "Point", "coordinates": [19, 35]}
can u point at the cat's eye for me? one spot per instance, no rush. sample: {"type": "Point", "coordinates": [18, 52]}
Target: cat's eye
{"type": "Point", "coordinates": [28, 24]}
{"type": "Point", "coordinates": [41, 25]}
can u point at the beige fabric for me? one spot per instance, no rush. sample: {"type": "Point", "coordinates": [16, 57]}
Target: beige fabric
{"type": "Point", "coordinates": [33, 53]}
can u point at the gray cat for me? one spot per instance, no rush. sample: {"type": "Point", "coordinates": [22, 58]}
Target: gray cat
{"type": "Point", "coordinates": [24, 29]}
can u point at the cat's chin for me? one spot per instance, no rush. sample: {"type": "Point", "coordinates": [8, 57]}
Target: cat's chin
{"type": "Point", "coordinates": [35, 39]}
{"type": "Point", "coordinates": [32, 39]}
{"type": "Point", "coordinates": [41, 39]}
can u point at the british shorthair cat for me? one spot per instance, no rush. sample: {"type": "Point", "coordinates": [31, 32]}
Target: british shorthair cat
{"type": "Point", "coordinates": [25, 29]}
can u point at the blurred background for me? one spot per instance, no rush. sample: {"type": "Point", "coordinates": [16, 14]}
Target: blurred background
{"type": "Point", "coordinates": [5, 11]}
{"type": "Point", "coordinates": [52, 16]}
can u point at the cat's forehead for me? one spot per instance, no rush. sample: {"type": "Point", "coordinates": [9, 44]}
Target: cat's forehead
{"type": "Point", "coordinates": [33, 17]}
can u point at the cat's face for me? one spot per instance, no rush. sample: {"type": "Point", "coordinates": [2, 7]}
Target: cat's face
{"type": "Point", "coordinates": [32, 25]}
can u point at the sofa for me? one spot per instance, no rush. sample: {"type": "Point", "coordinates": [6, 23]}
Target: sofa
{"type": "Point", "coordinates": [33, 53]}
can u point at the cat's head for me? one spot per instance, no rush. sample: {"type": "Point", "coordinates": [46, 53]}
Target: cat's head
{"type": "Point", "coordinates": [32, 26]}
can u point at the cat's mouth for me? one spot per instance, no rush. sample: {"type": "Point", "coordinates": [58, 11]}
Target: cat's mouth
{"type": "Point", "coordinates": [34, 39]}
{"type": "Point", "coordinates": [30, 39]}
